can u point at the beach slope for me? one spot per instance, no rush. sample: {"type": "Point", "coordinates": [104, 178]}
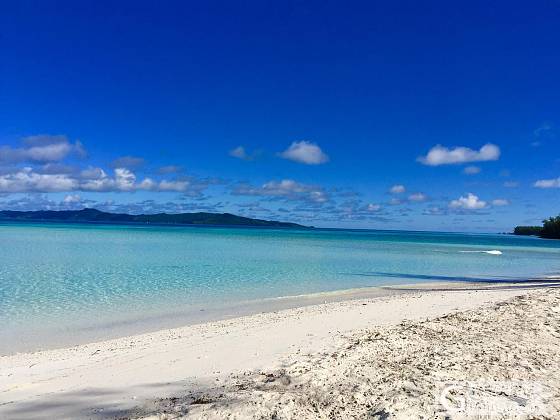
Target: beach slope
{"type": "Point", "coordinates": [380, 357]}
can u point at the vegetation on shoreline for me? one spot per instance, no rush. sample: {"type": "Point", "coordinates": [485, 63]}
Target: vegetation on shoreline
{"type": "Point", "coordinates": [97, 216]}
{"type": "Point", "coordinates": [528, 230]}
{"type": "Point", "coordinates": [549, 230]}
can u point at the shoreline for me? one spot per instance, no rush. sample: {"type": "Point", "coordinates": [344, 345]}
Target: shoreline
{"type": "Point", "coordinates": [153, 323]}
{"type": "Point", "coordinates": [115, 375]}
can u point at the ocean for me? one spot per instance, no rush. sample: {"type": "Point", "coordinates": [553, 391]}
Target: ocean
{"type": "Point", "coordinates": [66, 283]}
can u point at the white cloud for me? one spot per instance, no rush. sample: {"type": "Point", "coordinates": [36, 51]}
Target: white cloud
{"type": "Point", "coordinates": [124, 179]}
{"type": "Point", "coordinates": [511, 184]}
{"type": "Point", "coordinates": [285, 189]}
{"type": "Point", "coordinates": [47, 173]}
{"type": "Point", "coordinates": [25, 180]}
{"type": "Point", "coordinates": [48, 153]}
{"type": "Point", "coordinates": [548, 183]}
{"type": "Point", "coordinates": [41, 149]}
{"type": "Point", "coordinates": [471, 170]}
{"type": "Point", "coordinates": [439, 155]}
{"type": "Point", "coordinates": [148, 184]}
{"type": "Point", "coordinates": [305, 152]}
{"type": "Point", "coordinates": [373, 207]}
{"type": "Point", "coordinates": [92, 173]}
{"type": "Point", "coordinates": [500, 202]}
{"type": "Point", "coordinates": [90, 179]}
{"type": "Point", "coordinates": [165, 185]}
{"type": "Point", "coordinates": [178, 186]}
{"type": "Point", "coordinates": [397, 189]}
{"type": "Point", "coordinates": [470, 202]}
{"type": "Point", "coordinates": [288, 187]}
{"type": "Point", "coordinates": [72, 199]}
{"type": "Point", "coordinates": [418, 197]}
{"type": "Point", "coordinates": [95, 179]}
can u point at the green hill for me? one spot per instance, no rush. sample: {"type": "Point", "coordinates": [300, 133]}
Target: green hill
{"type": "Point", "coordinates": [97, 216]}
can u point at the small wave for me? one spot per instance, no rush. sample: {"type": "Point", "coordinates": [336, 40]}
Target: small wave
{"type": "Point", "coordinates": [491, 252]}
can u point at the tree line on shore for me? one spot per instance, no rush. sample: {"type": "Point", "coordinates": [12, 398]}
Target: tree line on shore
{"type": "Point", "coordinates": [549, 230]}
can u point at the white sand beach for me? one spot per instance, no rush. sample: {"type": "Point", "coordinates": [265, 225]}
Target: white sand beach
{"type": "Point", "coordinates": [380, 357]}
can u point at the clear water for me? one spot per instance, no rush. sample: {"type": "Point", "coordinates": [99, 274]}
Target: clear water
{"type": "Point", "coordinates": [57, 279]}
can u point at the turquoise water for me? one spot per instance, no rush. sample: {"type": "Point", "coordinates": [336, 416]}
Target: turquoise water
{"type": "Point", "coordinates": [59, 279]}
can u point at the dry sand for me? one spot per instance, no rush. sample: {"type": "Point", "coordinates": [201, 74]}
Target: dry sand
{"type": "Point", "coordinates": [385, 357]}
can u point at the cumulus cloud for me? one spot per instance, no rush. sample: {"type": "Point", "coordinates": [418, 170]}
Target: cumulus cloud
{"type": "Point", "coordinates": [285, 189]}
{"type": "Point", "coordinates": [92, 173]}
{"type": "Point", "coordinates": [125, 180]}
{"type": "Point", "coordinates": [26, 180]}
{"type": "Point", "coordinates": [305, 152]}
{"type": "Point", "coordinates": [37, 167]}
{"type": "Point", "coordinates": [439, 155]}
{"type": "Point", "coordinates": [417, 197]}
{"type": "Point", "coordinates": [471, 170]}
{"type": "Point", "coordinates": [470, 202]}
{"type": "Point", "coordinates": [129, 162]}
{"type": "Point", "coordinates": [90, 179]}
{"type": "Point", "coordinates": [41, 149]}
{"type": "Point", "coordinates": [548, 183]}
{"type": "Point", "coordinates": [96, 179]}
{"type": "Point", "coordinates": [397, 189]}
{"type": "Point", "coordinates": [72, 199]}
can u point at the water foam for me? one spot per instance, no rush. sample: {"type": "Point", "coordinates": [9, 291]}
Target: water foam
{"type": "Point", "coordinates": [491, 252]}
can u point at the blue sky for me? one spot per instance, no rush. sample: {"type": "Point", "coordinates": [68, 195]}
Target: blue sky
{"type": "Point", "coordinates": [404, 115]}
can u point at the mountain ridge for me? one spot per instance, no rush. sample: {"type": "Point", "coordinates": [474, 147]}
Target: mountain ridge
{"type": "Point", "coordinates": [92, 215]}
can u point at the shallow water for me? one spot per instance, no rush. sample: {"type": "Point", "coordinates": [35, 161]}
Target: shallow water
{"type": "Point", "coordinates": [58, 279]}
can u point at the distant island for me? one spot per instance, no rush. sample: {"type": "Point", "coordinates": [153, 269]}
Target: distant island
{"type": "Point", "coordinates": [549, 230]}
{"type": "Point", "coordinates": [89, 215]}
